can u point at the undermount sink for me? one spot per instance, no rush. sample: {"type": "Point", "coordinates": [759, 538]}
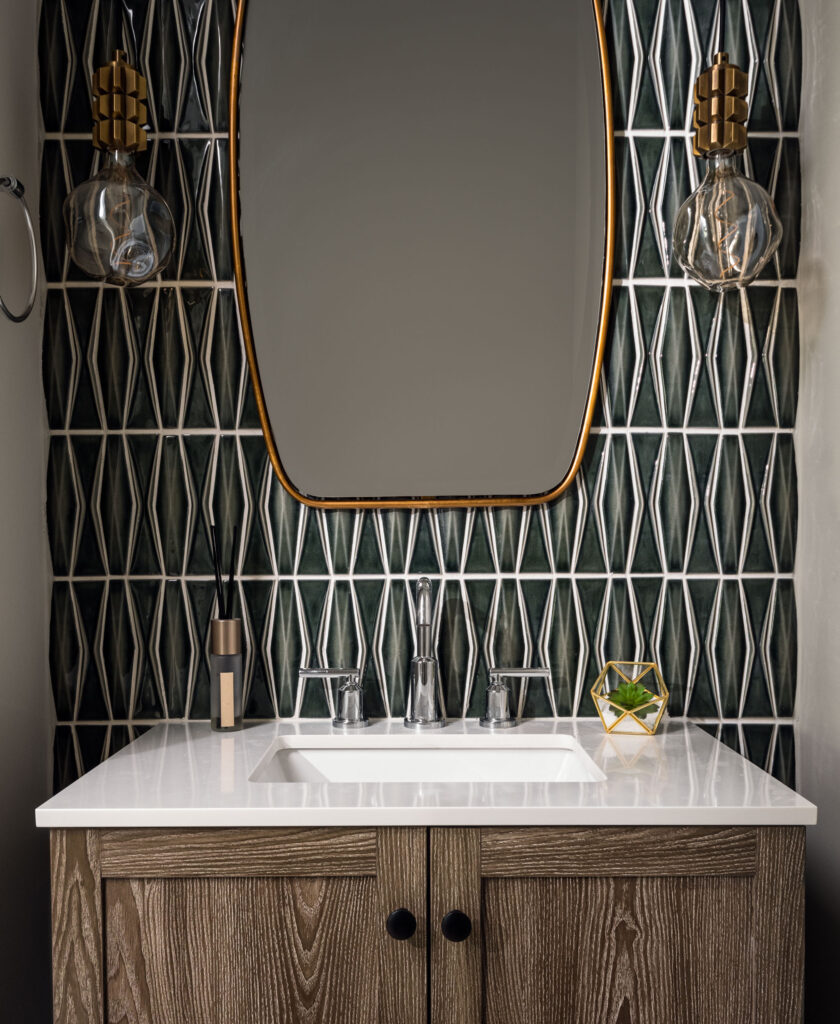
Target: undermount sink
{"type": "Point", "coordinates": [417, 758]}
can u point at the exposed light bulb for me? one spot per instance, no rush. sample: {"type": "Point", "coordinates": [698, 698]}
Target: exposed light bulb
{"type": "Point", "coordinates": [118, 227]}
{"type": "Point", "coordinates": [727, 231]}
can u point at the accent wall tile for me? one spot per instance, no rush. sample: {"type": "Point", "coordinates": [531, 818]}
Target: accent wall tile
{"type": "Point", "coordinates": [676, 541]}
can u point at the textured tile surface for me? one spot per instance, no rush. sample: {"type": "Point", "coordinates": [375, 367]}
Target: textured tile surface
{"type": "Point", "coordinates": [676, 543]}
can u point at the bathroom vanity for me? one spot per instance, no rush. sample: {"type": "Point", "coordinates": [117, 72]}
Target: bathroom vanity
{"type": "Point", "coordinates": [549, 874]}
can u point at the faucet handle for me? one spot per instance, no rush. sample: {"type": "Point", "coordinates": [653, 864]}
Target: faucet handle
{"type": "Point", "coordinates": [497, 713]}
{"type": "Point", "coordinates": [351, 697]}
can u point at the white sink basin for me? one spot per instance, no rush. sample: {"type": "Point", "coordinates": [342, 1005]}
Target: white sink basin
{"type": "Point", "coordinates": [419, 758]}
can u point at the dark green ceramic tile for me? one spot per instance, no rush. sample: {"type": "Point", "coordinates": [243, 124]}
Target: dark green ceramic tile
{"type": "Point", "coordinates": [172, 506]}
{"type": "Point", "coordinates": [674, 64]}
{"type": "Point", "coordinates": [423, 558]}
{"type": "Point", "coordinates": [286, 649]}
{"type": "Point", "coordinates": [455, 649]}
{"type": "Point", "coordinates": [83, 304]}
{"type": "Point", "coordinates": [287, 518]}
{"type": "Point", "coordinates": [368, 601]}
{"type": "Point", "coordinates": [178, 659]}
{"type": "Point", "coordinates": [676, 647]}
{"type": "Point", "coordinates": [53, 65]}
{"type": "Point", "coordinates": [170, 178]}
{"type": "Point", "coordinates": [619, 503]}
{"type": "Point", "coordinates": [788, 197]}
{"type": "Point", "coordinates": [86, 454]}
{"type": "Point", "coordinates": [618, 24]}
{"type": "Point", "coordinates": [784, 762]}
{"type": "Point", "coordinates": [119, 503]}
{"type": "Point", "coordinates": [565, 643]}
{"type": "Point", "coordinates": [313, 559]}
{"type": "Point", "coordinates": [783, 360]}
{"type": "Point", "coordinates": [66, 651]}
{"type": "Point", "coordinates": [781, 502]}
{"type": "Point", "coordinates": [758, 448]}
{"type": "Point", "coordinates": [195, 263]}
{"type": "Point", "coordinates": [676, 503]}
{"type": "Point", "coordinates": [395, 644]}
{"type": "Point", "coordinates": [535, 555]}
{"type": "Point", "coordinates": [645, 558]}
{"type": "Point", "coordinates": [622, 358]}
{"type": "Point", "coordinates": [649, 304]}
{"type": "Point", "coordinates": [92, 743]}
{"type": "Point", "coordinates": [119, 648]}
{"type": "Point", "coordinates": [64, 505]}
{"type": "Point", "coordinates": [787, 63]}
{"type": "Point", "coordinates": [91, 699]}
{"type": "Point", "coordinates": [226, 361]}
{"type": "Point", "coordinates": [59, 362]}
{"type": "Point", "coordinates": [148, 702]}
{"type": "Point", "coordinates": [218, 210]}
{"type": "Point", "coordinates": [65, 764]}
{"type": "Point", "coordinates": [560, 520]}
{"type": "Point", "coordinates": [53, 190]}
{"type": "Point", "coordinates": [199, 450]}
{"type": "Point", "coordinates": [627, 211]}
{"type": "Point", "coordinates": [258, 607]}
{"type": "Point", "coordinates": [703, 413]}
{"type": "Point", "coordinates": [648, 113]}
{"type": "Point", "coordinates": [166, 69]}
{"type": "Point", "coordinates": [199, 309]}
{"type": "Point", "coordinates": [195, 116]}
{"type": "Point", "coordinates": [454, 529]}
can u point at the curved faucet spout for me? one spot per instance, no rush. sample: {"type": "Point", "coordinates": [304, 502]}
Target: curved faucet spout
{"type": "Point", "coordinates": [422, 701]}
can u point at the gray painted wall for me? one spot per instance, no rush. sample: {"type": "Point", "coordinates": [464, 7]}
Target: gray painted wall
{"type": "Point", "coordinates": [24, 721]}
{"type": "Point", "coordinates": [818, 559]}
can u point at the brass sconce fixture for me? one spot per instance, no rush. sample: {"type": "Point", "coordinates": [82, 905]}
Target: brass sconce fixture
{"type": "Point", "coordinates": [119, 229]}
{"type": "Point", "coordinates": [728, 229]}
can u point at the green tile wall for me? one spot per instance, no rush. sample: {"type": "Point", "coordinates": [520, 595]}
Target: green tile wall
{"type": "Point", "coordinates": [676, 543]}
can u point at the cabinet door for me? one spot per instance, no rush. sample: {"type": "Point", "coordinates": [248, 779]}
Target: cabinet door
{"type": "Point", "coordinates": [618, 925]}
{"type": "Point", "coordinates": [244, 926]}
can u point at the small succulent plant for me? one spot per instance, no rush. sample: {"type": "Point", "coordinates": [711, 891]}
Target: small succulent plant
{"type": "Point", "coordinates": [631, 696]}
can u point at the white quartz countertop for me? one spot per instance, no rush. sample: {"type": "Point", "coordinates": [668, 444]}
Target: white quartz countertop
{"type": "Point", "coordinates": [185, 775]}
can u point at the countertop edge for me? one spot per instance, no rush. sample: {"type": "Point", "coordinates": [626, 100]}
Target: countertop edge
{"type": "Point", "coordinates": [453, 817]}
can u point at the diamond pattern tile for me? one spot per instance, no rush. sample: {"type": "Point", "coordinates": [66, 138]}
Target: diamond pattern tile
{"type": "Point", "coordinates": [676, 542]}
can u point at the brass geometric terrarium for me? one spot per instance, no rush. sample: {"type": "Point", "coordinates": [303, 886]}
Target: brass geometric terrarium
{"type": "Point", "coordinates": [630, 697]}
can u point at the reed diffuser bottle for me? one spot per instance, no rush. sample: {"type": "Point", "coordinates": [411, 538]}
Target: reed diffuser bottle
{"type": "Point", "coordinates": [225, 648]}
{"type": "Point", "coordinates": [226, 674]}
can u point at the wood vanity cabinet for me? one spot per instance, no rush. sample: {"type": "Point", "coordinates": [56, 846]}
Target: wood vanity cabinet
{"type": "Point", "coordinates": [567, 925]}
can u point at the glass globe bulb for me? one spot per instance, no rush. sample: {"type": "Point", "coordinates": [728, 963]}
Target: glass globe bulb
{"type": "Point", "coordinates": [728, 229]}
{"type": "Point", "coordinates": [118, 227]}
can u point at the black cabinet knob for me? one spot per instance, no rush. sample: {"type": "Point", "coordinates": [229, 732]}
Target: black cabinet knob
{"type": "Point", "coordinates": [401, 924]}
{"type": "Point", "coordinates": [456, 926]}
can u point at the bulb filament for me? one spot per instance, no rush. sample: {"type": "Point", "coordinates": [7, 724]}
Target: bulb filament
{"type": "Point", "coordinates": [727, 230]}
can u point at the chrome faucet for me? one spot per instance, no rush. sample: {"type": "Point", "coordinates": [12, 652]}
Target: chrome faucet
{"type": "Point", "coordinates": [422, 700]}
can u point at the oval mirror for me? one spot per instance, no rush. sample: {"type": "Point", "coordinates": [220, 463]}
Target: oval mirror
{"type": "Point", "coordinates": [422, 201]}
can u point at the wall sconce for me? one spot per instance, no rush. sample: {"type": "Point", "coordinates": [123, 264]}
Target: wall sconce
{"type": "Point", "coordinates": [119, 229]}
{"type": "Point", "coordinates": [726, 231]}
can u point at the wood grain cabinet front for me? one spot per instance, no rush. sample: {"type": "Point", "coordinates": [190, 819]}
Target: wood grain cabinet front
{"type": "Point", "coordinates": [497, 926]}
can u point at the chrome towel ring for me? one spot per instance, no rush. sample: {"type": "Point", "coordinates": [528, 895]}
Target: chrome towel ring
{"type": "Point", "coordinates": [14, 188]}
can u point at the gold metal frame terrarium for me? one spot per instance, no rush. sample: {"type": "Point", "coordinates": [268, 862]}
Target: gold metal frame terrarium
{"type": "Point", "coordinates": [633, 721]}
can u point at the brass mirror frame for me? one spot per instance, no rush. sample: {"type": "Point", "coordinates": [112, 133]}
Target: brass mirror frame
{"type": "Point", "coordinates": [248, 337]}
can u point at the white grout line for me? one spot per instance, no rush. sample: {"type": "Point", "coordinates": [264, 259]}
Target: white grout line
{"type": "Point", "coordinates": [82, 722]}
{"type": "Point", "coordinates": [492, 574]}
{"type": "Point", "coordinates": [688, 133]}
{"type": "Point", "coordinates": [601, 429]}
{"type": "Point", "coordinates": [154, 283]}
